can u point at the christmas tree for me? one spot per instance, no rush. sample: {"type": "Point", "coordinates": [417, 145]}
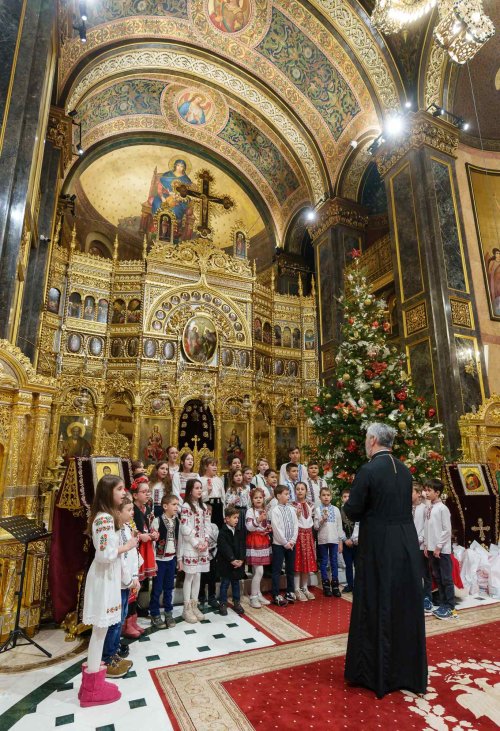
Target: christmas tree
{"type": "Point", "coordinates": [370, 383]}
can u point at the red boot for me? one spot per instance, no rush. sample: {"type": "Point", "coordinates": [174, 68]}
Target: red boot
{"type": "Point", "coordinates": [129, 630]}
{"type": "Point", "coordinates": [95, 691]}
{"type": "Point", "coordinates": [137, 627]}
{"type": "Point", "coordinates": [84, 670]}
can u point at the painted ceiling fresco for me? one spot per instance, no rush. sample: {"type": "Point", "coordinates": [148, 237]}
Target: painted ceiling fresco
{"type": "Point", "coordinates": [122, 186]}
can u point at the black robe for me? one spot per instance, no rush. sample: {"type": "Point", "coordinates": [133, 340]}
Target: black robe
{"type": "Point", "coordinates": [386, 647]}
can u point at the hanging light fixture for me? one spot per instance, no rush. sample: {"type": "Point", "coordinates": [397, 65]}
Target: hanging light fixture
{"type": "Point", "coordinates": [246, 404]}
{"type": "Point", "coordinates": [463, 27]}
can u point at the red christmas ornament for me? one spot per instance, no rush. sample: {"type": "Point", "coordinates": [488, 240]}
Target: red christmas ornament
{"type": "Point", "coordinates": [318, 409]}
{"type": "Point", "coordinates": [386, 326]}
{"type": "Point", "coordinates": [352, 445]}
{"type": "Point", "coordinates": [351, 321]}
{"type": "Point", "coordinates": [401, 395]}
{"type": "Point", "coordinates": [431, 413]}
{"type": "Point", "coordinates": [375, 324]}
{"type": "Point", "coordinates": [413, 470]}
{"type": "Point", "coordinates": [340, 384]}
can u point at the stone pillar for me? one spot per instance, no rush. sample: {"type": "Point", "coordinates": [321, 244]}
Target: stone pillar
{"type": "Point", "coordinates": [439, 323]}
{"type": "Point", "coordinates": [339, 228]}
{"type": "Point", "coordinates": [57, 155]}
{"type": "Point", "coordinates": [23, 118]}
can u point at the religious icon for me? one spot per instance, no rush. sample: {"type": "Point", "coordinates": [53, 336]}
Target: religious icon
{"type": "Point", "coordinates": [292, 368]}
{"type": "Point", "coordinates": [240, 245]}
{"type": "Point", "coordinates": [165, 228]}
{"type": "Point", "coordinates": [234, 438]}
{"type": "Point", "coordinates": [200, 339]}
{"type": "Point", "coordinates": [229, 16]}
{"type": "Point", "coordinates": [53, 300]}
{"type": "Point", "coordinates": [117, 348]}
{"type": "Point", "coordinates": [74, 342]}
{"type": "Point", "coordinates": [102, 310]}
{"type": "Point", "coordinates": [285, 437]}
{"type": "Point", "coordinates": [227, 357]}
{"type": "Point", "coordinates": [134, 310]}
{"type": "Point", "coordinates": [493, 460]}
{"type": "Point", "coordinates": [153, 450]}
{"type": "Point", "coordinates": [195, 108]}
{"type": "Point", "coordinates": [471, 476]}
{"type": "Point", "coordinates": [309, 340]}
{"type": "Point", "coordinates": [279, 367]}
{"type": "Point", "coordinates": [95, 346]}
{"type": "Point", "coordinates": [168, 350]}
{"type": "Point", "coordinates": [277, 335]}
{"type": "Point", "coordinates": [257, 328]}
{"type": "Point", "coordinates": [75, 437]}
{"type": "Point", "coordinates": [286, 339]}
{"type": "Point", "coordinates": [89, 308]}
{"type": "Point", "coordinates": [266, 333]}
{"type": "Point", "coordinates": [102, 466]}
{"type": "Point", "coordinates": [296, 338]}
{"type": "Point", "coordinates": [119, 314]}
{"type": "Point", "coordinates": [150, 348]}
{"type": "Point", "coordinates": [133, 347]}
{"type": "Point", "coordinates": [75, 305]}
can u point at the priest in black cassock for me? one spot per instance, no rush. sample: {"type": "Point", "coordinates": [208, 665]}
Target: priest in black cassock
{"type": "Point", "coordinates": [386, 647]}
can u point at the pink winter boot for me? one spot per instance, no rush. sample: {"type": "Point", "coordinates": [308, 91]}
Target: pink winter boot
{"type": "Point", "coordinates": [129, 630]}
{"type": "Point", "coordinates": [95, 691]}
{"type": "Point", "coordinates": [84, 669]}
{"type": "Point", "coordinates": [135, 625]}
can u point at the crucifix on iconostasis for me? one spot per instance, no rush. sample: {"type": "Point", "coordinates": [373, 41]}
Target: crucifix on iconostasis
{"type": "Point", "coordinates": [205, 198]}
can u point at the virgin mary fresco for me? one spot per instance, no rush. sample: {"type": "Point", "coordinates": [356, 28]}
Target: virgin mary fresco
{"type": "Point", "coordinates": [180, 207]}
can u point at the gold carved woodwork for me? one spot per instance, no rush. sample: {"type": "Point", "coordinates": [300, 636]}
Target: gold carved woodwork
{"type": "Point", "coordinates": [461, 313]}
{"type": "Point", "coordinates": [59, 132]}
{"type": "Point", "coordinates": [423, 130]}
{"type": "Point", "coordinates": [415, 319]}
{"type": "Point", "coordinates": [337, 211]}
{"type": "Point", "coordinates": [480, 431]}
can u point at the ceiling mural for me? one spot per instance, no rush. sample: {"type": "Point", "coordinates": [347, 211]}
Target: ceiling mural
{"type": "Point", "coordinates": [102, 11]}
{"type": "Point", "coordinates": [128, 185]}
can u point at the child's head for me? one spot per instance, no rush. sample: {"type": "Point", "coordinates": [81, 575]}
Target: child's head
{"type": "Point", "coordinates": [172, 454]}
{"type": "Point", "coordinates": [294, 455]}
{"type": "Point", "coordinates": [126, 510]}
{"type": "Point", "coordinates": [292, 470]}
{"type": "Point", "coordinates": [257, 497]}
{"type": "Point", "coordinates": [187, 462]}
{"type": "Point", "coordinates": [108, 497]}
{"type": "Point", "coordinates": [325, 495]}
{"type": "Point", "coordinates": [193, 493]}
{"type": "Point", "coordinates": [313, 470]}
{"type": "Point", "coordinates": [208, 467]}
{"type": "Point", "coordinates": [235, 479]}
{"type": "Point", "coordinates": [433, 489]}
{"type": "Point", "coordinates": [140, 491]}
{"type": "Point", "coordinates": [231, 516]}
{"type": "Point", "coordinates": [301, 491]}
{"type": "Point", "coordinates": [271, 477]}
{"type": "Point", "coordinates": [262, 466]}
{"type": "Point", "coordinates": [345, 495]}
{"type": "Point", "coordinates": [137, 467]}
{"type": "Point", "coordinates": [169, 505]}
{"type": "Point", "coordinates": [235, 463]}
{"type": "Point", "coordinates": [416, 495]}
{"type": "Point", "coordinates": [159, 473]}
{"type": "Point", "coordinates": [282, 494]}
{"type": "Point", "coordinates": [247, 475]}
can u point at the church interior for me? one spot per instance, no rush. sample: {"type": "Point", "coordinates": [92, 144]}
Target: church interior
{"type": "Point", "coordinates": [183, 184]}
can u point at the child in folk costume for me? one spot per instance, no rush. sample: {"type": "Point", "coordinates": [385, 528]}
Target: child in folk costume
{"type": "Point", "coordinates": [258, 542]}
{"type": "Point", "coordinates": [183, 474]}
{"type": "Point", "coordinates": [328, 523]}
{"type": "Point", "coordinates": [305, 553]}
{"type": "Point", "coordinates": [269, 488]}
{"type": "Point", "coordinates": [247, 477]}
{"type": "Point", "coordinates": [117, 666]}
{"type": "Point", "coordinates": [314, 482]}
{"type": "Point", "coordinates": [102, 602]}
{"type": "Point", "coordinates": [212, 490]}
{"type": "Point", "coordinates": [285, 528]}
{"type": "Point", "coordinates": [209, 579]}
{"type": "Point", "coordinates": [167, 526]}
{"type": "Point", "coordinates": [238, 496]}
{"type": "Point", "coordinates": [143, 519]}
{"type": "Point", "coordinates": [259, 479]}
{"type": "Point", "coordinates": [160, 484]}
{"type": "Point", "coordinates": [437, 547]}
{"type": "Point", "coordinates": [193, 548]}
{"type": "Point", "coordinates": [419, 509]}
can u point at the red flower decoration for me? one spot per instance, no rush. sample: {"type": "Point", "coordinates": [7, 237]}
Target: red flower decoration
{"type": "Point", "coordinates": [401, 395]}
{"type": "Point", "coordinates": [386, 326]}
{"type": "Point", "coordinates": [375, 324]}
{"type": "Point", "coordinates": [340, 384]}
{"type": "Point", "coordinates": [318, 409]}
{"type": "Point", "coordinates": [355, 253]}
{"type": "Point", "coordinates": [431, 413]}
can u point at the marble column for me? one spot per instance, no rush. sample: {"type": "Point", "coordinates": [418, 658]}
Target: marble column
{"type": "Point", "coordinates": [438, 316]}
{"type": "Point", "coordinates": [24, 105]}
{"type": "Point", "coordinates": [339, 228]}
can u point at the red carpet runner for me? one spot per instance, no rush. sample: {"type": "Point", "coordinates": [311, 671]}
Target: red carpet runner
{"type": "Point", "coordinates": [463, 693]}
{"type": "Point", "coordinates": [322, 617]}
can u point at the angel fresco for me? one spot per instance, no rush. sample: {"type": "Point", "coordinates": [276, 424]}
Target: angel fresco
{"type": "Point", "coordinates": [164, 191]}
{"type": "Point", "coordinates": [194, 108]}
{"type": "Point", "coordinates": [229, 16]}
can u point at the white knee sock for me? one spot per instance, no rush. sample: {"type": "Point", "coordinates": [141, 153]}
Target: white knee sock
{"type": "Point", "coordinates": [195, 586]}
{"type": "Point", "coordinates": [187, 588]}
{"type": "Point", "coordinates": [96, 645]}
{"type": "Point", "coordinates": [304, 579]}
{"type": "Point", "coordinates": [296, 582]}
{"type": "Point", "coordinates": [256, 579]}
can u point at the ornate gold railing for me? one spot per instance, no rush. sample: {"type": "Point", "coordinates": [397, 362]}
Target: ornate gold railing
{"type": "Point", "coordinates": [376, 263]}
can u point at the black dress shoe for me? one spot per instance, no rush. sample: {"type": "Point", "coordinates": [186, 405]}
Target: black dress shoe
{"type": "Point", "coordinates": [123, 650]}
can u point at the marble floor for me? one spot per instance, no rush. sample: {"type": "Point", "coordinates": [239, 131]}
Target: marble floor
{"type": "Point", "coordinates": [45, 698]}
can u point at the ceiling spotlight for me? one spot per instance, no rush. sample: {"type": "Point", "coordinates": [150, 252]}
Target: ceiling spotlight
{"type": "Point", "coordinates": [437, 111]}
{"type": "Point", "coordinates": [354, 144]}
{"type": "Point", "coordinates": [83, 17]}
{"type": "Point", "coordinates": [73, 113]}
{"type": "Point", "coordinates": [462, 124]}
{"type": "Point", "coordinates": [79, 149]}
{"type": "Point", "coordinates": [311, 215]}
{"type": "Point", "coordinates": [408, 104]}
{"type": "Point", "coordinates": [394, 125]}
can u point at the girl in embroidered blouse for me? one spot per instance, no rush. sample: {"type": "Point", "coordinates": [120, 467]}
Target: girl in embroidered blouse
{"type": "Point", "coordinates": [102, 602]}
{"type": "Point", "coordinates": [160, 484]}
{"type": "Point", "coordinates": [305, 552]}
{"type": "Point", "coordinates": [184, 474]}
{"type": "Point", "coordinates": [213, 489]}
{"type": "Point", "coordinates": [239, 496]}
{"type": "Point", "coordinates": [258, 541]}
{"type": "Point", "coordinates": [192, 550]}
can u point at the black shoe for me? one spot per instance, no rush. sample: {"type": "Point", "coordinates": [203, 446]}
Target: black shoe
{"type": "Point", "coordinates": [238, 609]}
{"type": "Point", "coordinates": [202, 600]}
{"type": "Point", "coordinates": [279, 601]}
{"type": "Point", "coordinates": [223, 609]}
{"type": "Point", "coordinates": [123, 650]}
{"type": "Point", "coordinates": [213, 603]}
{"type": "Point", "coordinates": [347, 589]}
{"type": "Point", "coordinates": [290, 597]}
{"type": "Point", "coordinates": [326, 588]}
{"type": "Point", "coordinates": [335, 589]}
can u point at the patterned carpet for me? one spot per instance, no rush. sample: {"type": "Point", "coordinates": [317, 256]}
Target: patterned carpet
{"type": "Point", "coordinates": [302, 677]}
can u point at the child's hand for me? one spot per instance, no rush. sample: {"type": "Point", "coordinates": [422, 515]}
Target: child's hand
{"type": "Point", "coordinates": [437, 553]}
{"type": "Point", "coordinates": [236, 563]}
{"type": "Point", "coordinates": [348, 542]}
{"type": "Point", "coordinates": [180, 566]}
{"type": "Point", "coordinates": [340, 547]}
{"type": "Point", "coordinates": [154, 535]}
{"type": "Point", "coordinates": [144, 537]}
{"type": "Point", "coordinates": [136, 584]}
{"type": "Point", "coordinates": [425, 552]}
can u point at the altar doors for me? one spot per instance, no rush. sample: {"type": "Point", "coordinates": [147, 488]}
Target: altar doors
{"type": "Point", "coordinates": [196, 428]}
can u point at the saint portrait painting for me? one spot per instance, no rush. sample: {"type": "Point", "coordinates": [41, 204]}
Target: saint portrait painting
{"type": "Point", "coordinates": [75, 438]}
{"type": "Point", "coordinates": [199, 339]}
{"type": "Point", "coordinates": [229, 16]}
{"type": "Point", "coordinates": [472, 479]}
{"type": "Point", "coordinates": [181, 208]}
{"type": "Point", "coordinates": [194, 108]}
{"type": "Point", "coordinates": [240, 245]}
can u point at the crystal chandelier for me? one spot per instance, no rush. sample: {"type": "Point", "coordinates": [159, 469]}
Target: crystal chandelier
{"type": "Point", "coordinates": [463, 27]}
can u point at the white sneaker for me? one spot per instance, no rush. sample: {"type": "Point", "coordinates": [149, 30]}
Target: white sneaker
{"type": "Point", "coordinates": [307, 593]}
{"type": "Point", "coordinates": [300, 596]}
{"type": "Point", "coordinates": [265, 602]}
{"type": "Point", "coordinates": [255, 603]}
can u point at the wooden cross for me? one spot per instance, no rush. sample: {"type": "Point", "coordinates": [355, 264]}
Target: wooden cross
{"type": "Point", "coordinates": [204, 196]}
{"type": "Point", "coordinates": [481, 528]}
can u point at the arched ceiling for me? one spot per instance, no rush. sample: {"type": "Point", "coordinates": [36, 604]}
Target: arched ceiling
{"type": "Point", "coordinates": [284, 86]}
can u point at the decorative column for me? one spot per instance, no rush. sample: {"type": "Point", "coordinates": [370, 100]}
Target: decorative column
{"type": "Point", "coordinates": [339, 228]}
{"type": "Point", "coordinates": [251, 436]}
{"type": "Point", "coordinates": [432, 274]}
{"type": "Point", "coordinates": [98, 419]}
{"type": "Point", "coordinates": [136, 435]}
{"type": "Point", "coordinates": [176, 412]}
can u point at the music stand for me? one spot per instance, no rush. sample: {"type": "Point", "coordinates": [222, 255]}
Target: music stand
{"type": "Point", "coordinates": [25, 531]}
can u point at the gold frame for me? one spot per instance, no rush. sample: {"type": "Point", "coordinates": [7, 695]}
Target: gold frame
{"type": "Point", "coordinates": [105, 462]}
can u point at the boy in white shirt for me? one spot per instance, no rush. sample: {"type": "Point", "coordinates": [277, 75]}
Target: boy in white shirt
{"type": "Point", "coordinates": [328, 523]}
{"type": "Point", "coordinates": [437, 547]}
{"type": "Point", "coordinates": [314, 483]}
{"type": "Point", "coordinates": [419, 510]}
{"type": "Point", "coordinates": [259, 480]}
{"type": "Point", "coordinates": [293, 456]}
{"type": "Point", "coordinates": [285, 527]}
